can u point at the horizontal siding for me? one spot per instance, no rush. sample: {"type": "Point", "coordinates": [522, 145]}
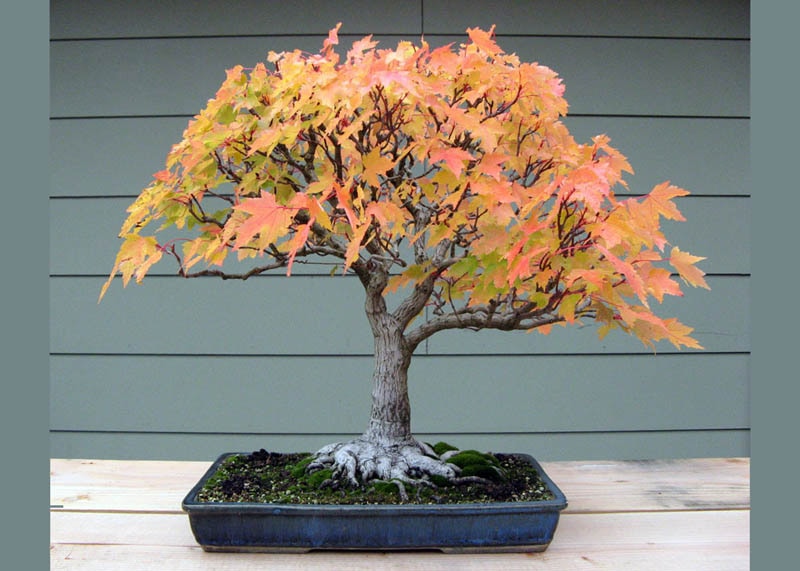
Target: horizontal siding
{"type": "Point", "coordinates": [104, 19]}
{"type": "Point", "coordinates": [716, 228]}
{"type": "Point", "coordinates": [318, 315]}
{"type": "Point", "coordinates": [85, 155]}
{"type": "Point", "coordinates": [288, 360]}
{"type": "Point", "coordinates": [686, 18]}
{"type": "Point", "coordinates": [720, 318]}
{"type": "Point", "coordinates": [294, 395]}
{"type": "Point", "coordinates": [545, 447]}
{"type": "Point", "coordinates": [658, 77]}
{"type": "Point", "coordinates": [651, 18]}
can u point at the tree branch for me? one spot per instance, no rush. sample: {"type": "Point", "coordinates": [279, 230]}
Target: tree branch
{"type": "Point", "coordinates": [486, 316]}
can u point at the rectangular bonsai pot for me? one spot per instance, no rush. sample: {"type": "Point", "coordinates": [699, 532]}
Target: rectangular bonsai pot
{"type": "Point", "coordinates": [451, 528]}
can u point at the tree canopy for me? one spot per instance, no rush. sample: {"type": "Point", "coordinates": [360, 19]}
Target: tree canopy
{"type": "Point", "coordinates": [448, 170]}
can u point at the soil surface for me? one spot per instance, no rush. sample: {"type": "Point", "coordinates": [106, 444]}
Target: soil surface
{"type": "Point", "coordinates": [270, 477]}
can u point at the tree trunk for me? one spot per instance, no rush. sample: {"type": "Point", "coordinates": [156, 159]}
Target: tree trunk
{"type": "Point", "coordinates": [390, 417]}
{"type": "Point", "coordinates": [387, 450]}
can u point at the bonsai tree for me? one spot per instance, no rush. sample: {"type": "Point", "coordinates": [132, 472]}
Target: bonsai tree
{"type": "Point", "coordinates": [444, 178]}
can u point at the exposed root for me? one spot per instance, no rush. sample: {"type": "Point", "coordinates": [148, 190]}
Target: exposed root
{"type": "Point", "coordinates": [408, 462]}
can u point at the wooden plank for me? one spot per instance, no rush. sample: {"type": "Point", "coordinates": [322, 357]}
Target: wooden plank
{"type": "Point", "coordinates": [331, 394]}
{"type": "Point", "coordinates": [665, 541]}
{"type": "Point", "coordinates": [663, 558]}
{"type": "Point", "coordinates": [591, 487]}
{"type": "Point", "coordinates": [654, 485]}
{"type": "Point", "coordinates": [682, 150]}
{"type": "Point", "coordinates": [628, 445]}
{"type": "Point", "coordinates": [122, 486]}
{"type": "Point", "coordinates": [177, 76]}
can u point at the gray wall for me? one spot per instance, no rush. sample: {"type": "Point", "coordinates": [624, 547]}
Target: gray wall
{"type": "Point", "coordinates": [177, 369]}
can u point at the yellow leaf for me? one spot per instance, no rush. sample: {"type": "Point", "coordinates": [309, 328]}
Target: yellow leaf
{"type": "Point", "coordinates": [375, 165]}
{"type": "Point", "coordinates": [684, 263]}
{"type": "Point", "coordinates": [135, 257]}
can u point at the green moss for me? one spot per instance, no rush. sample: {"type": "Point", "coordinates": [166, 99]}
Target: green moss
{"type": "Point", "coordinates": [269, 478]}
{"type": "Point", "coordinates": [472, 458]}
{"type": "Point", "coordinates": [440, 481]}
{"type": "Point", "coordinates": [385, 488]}
{"type": "Point", "coordinates": [490, 473]}
{"type": "Point", "coordinates": [315, 479]}
{"type": "Point", "coordinates": [442, 447]}
{"type": "Point", "coordinates": [299, 469]}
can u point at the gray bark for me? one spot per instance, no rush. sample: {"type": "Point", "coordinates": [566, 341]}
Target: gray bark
{"type": "Point", "coordinates": [390, 415]}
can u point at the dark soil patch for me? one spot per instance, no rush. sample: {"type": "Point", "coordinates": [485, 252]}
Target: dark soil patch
{"type": "Point", "coordinates": [270, 477]}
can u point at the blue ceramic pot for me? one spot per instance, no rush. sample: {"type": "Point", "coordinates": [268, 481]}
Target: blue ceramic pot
{"type": "Point", "coordinates": [478, 527]}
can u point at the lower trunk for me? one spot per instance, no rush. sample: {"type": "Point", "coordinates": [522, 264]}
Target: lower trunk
{"type": "Point", "coordinates": [387, 450]}
{"type": "Point", "coordinates": [390, 417]}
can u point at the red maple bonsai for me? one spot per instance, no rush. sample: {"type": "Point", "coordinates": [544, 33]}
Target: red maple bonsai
{"type": "Point", "coordinates": [443, 175]}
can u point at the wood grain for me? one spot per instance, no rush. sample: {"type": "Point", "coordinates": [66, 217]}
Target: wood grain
{"type": "Point", "coordinates": [623, 515]}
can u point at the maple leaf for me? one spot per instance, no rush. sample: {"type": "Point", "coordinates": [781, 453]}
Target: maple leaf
{"type": "Point", "coordinates": [453, 157]}
{"type": "Point", "coordinates": [268, 219]}
{"type": "Point", "coordinates": [353, 247]}
{"type": "Point", "coordinates": [388, 214]}
{"type": "Point", "coordinates": [332, 39]}
{"type": "Point", "coordinates": [265, 141]}
{"type": "Point", "coordinates": [443, 59]}
{"type": "Point", "coordinates": [412, 274]}
{"type": "Point", "coordinates": [568, 305]}
{"type": "Point", "coordinates": [346, 204]}
{"type": "Point", "coordinates": [685, 264]}
{"type": "Point", "coordinates": [660, 198]}
{"type": "Point", "coordinates": [483, 40]}
{"type": "Point", "coordinates": [134, 258]}
{"type": "Point", "coordinates": [631, 275]}
{"type": "Point", "coordinates": [478, 160]}
{"type": "Point", "coordinates": [365, 44]}
{"type": "Point", "coordinates": [375, 165]}
{"type": "Point", "coordinates": [297, 242]}
{"type": "Point", "coordinates": [658, 282]}
{"type": "Point", "coordinates": [163, 175]}
{"type": "Point", "coordinates": [491, 165]}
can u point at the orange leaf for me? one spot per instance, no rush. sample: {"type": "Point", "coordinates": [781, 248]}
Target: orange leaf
{"type": "Point", "coordinates": [684, 263]}
{"type": "Point", "coordinates": [267, 218]}
{"type": "Point", "coordinates": [484, 40]}
{"type": "Point", "coordinates": [351, 255]}
{"type": "Point", "coordinates": [453, 157]}
{"type": "Point", "coordinates": [297, 242]}
{"type": "Point", "coordinates": [658, 282]}
{"type": "Point", "coordinates": [624, 268]}
{"type": "Point", "coordinates": [332, 39]}
{"type": "Point", "coordinates": [661, 197]}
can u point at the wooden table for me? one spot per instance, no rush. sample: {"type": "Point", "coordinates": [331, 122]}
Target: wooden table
{"type": "Point", "coordinates": [687, 515]}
